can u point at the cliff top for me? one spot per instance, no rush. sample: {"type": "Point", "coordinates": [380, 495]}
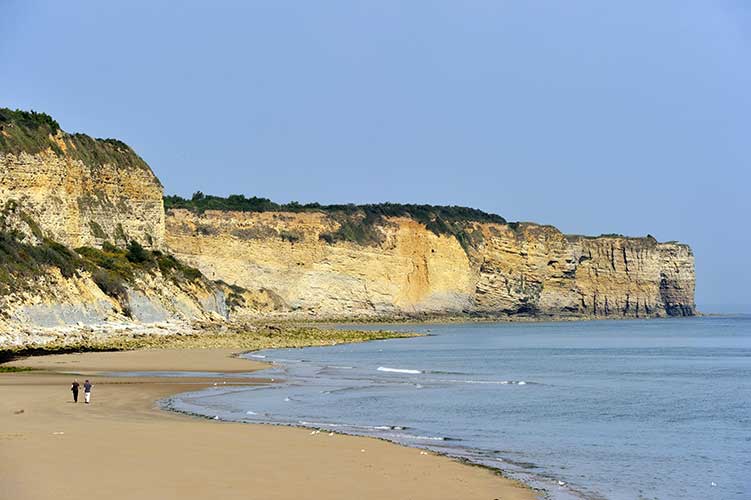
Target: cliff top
{"type": "Point", "coordinates": [31, 132]}
{"type": "Point", "coordinates": [424, 213]}
{"type": "Point", "coordinates": [358, 221]}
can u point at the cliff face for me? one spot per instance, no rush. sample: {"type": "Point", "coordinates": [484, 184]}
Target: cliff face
{"type": "Point", "coordinates": [46, 284]}
{"type": "Point", "coordinates": [60, 192]}
{"type": "Point", "coordinates": [80, 191]}
{"type": "Point", "coordinates": [496, 270]}
{"type": "Point", "coordinates": [67, 202]}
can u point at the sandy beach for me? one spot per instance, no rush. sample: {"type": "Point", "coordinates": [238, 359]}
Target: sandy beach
{"type": "Point", "coordinates": [123, 447]}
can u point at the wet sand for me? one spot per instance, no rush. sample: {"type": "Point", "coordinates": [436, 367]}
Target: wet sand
{"type": "Point", "coordinates": [123, 447]}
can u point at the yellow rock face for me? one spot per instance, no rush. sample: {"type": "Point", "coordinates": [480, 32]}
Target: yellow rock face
{"type": "Point", "coordinates": [413, 270]}
{"type": "Point", "coordinates": [508, 269]}
{"type": "Point", "coordinates": [81, 205]}
{"type": "Point", "coordinates": [289, 266]}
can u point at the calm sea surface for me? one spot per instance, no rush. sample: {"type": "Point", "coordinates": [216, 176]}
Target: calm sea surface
{"type": "Point", "coordinates": [657, 409]}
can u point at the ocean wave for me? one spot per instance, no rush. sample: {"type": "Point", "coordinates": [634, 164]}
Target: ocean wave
{"type": "Point", "coordinates": [353, 426]}
{"type": "Point", "coordinates": [481, 382]}
{"type": "Point", "coordinates": [398, 370]}
{"type": "Point", "coordinates": [413, 437]}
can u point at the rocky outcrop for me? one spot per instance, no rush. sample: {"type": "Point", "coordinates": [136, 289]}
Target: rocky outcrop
{"type": "Point", "coordinates": [60, 192]}
{"type": "Point", "coordinates": [83, 206]}
{"type": "Point", "coordinates": [45, 284]}
{"type": "Point", "coordinates": [80, 191]}
{"type": "Point", "coordinates": [492, 270]}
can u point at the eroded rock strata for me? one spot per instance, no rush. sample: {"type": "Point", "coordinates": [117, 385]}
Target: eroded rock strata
{"type": "Point", "coordinates": [504, 269]}
{"type": "Point", "coordinates": [82, 204]}
{"type": "Point", "coordinates": [70, 205]}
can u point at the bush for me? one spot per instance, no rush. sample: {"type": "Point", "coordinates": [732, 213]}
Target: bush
{"type": "Point", "coordinates": [29, 119]}
{"type": "Point", "coordinates": [289, 236]}
{"type": "Point", "coordinates": [327, 238]}
{"type": "Point", "coordinates": [110, 283]}
{"type": "Point", "coordinates": [136, 253]}
{"type": "Point", "coordinates": [170, 266]}
{"type": "Point", "coordinates": [109, 257]}
{"type": "Point", "coordinates": [21, 262]}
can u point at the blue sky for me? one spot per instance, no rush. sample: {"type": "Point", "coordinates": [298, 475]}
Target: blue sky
{"type": "Point", "coordinates": [593, 116]}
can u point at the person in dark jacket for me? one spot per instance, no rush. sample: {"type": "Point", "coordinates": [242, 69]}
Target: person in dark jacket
{"type": "Point", "coordinates": [87, 391]}
{"type": "Point", "coordinates": [74, 390]}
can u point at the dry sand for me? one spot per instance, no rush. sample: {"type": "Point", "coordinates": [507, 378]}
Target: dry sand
{"type": "Point", "coordinates": [122, 447]}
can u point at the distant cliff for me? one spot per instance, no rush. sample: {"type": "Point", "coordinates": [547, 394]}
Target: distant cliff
{"type": "Point", "coordinates": [488, 269]}
{"type": "Point", "coordinates": [84, 238]}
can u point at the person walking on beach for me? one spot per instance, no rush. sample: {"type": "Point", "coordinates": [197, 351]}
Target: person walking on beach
{"type": "Point", "coordinates": [74, 390]}
{"type": "Point", "coordinates": [87, 391]}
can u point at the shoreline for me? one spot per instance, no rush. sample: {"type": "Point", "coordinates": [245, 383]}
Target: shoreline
{"type": "Point", "coordinates": [124, 411]}
{"type": "Point", "coordinates": [167, 334]}
{"type": "Point", "coordinates": [540, 485]}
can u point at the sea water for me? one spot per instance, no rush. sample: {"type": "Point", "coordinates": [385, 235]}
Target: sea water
{"type": "Point", "coordinates": [640, 409]}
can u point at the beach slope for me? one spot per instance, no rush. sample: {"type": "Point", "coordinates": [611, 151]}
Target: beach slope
{"type": "Point", "coordinates": [122, 446]}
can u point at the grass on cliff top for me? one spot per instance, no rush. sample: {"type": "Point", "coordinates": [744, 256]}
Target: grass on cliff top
{"type": "Point", "coordinates": [31, 132]}
{"type": "Point", "coordinates": [248, 338]}
{"type": "Point", "coordinates": [357, 223]}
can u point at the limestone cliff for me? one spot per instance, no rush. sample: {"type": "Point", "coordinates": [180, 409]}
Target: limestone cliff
{"type": "Point", "coordinates": [488, 269]}
{"type": "Point", "coordinates": [81, 191]}
{"type": "Point", "coordinates": [45, 284]}
{"type": "Point", "coordinates": [70, 205]}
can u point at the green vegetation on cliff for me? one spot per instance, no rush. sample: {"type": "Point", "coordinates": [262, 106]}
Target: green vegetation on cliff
{"type": "Point", "coordinates": [19, 260]}
{"type": "Point", "coordinates": [31, 132]}
{"type": "Point", "coordinates": [423, 213]}
{"type": "Point", "coordinates": [357, 223]}
{"type": "Point", "coordinates": [110, 267]}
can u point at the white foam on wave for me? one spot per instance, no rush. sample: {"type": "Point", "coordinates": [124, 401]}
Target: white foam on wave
{"type": "Point", "coordinates": [486, 382]}
{"type": "Point", "coordinates": [397, 370]}
{"type": "Point", "coordinates": [261, 356]}
{"type": "Point", "coordinates": [353, 426]}
{"type": "Point", "coordinates": [319, 424]}
{"type": "Point", "coordinates": [416, 438]}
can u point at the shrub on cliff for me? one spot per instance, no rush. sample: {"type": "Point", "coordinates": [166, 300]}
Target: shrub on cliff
{"type": "Point", "coordinates": [110, 283]}
{"type": "Point", "coordinates": [357, 223]}
{"type": "Point", "coordinates": [170, 266]}
{"type": "Point", "coordinates": [136, 253]}
{"type": "Point", "coordinates": [127, 263]}
{"type": "Point", "coordinates": [21, 261]}
{"type": "Point", "coordinates": [29, 119]}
